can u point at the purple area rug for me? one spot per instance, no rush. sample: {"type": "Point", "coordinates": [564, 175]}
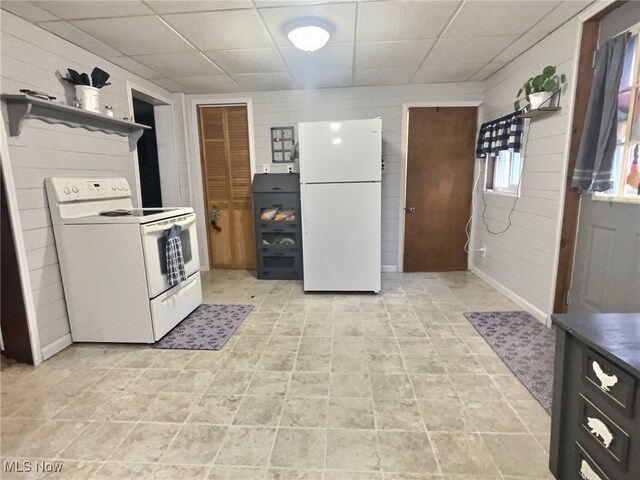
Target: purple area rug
{"type": "Point", "coordinates": [524, 344]}
{"type": "Point", "coordinates": [208, 327]}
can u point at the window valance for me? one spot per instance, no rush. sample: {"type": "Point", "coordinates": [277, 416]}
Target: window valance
{"type": "Point", "coordinates": [504, 133]}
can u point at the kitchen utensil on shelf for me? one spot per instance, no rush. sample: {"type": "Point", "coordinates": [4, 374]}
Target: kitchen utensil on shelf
{"type": "Point", "coordinates": [99, 77]}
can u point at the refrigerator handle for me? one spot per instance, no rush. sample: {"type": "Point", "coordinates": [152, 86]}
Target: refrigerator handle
{"type": "Point", "coordinates": [304, 217]}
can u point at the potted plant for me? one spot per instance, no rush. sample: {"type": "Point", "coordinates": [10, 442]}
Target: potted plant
{"type": "Point", "coordinates": [539, 89]}
{"type": "Point", "coordinates": [87, 95]}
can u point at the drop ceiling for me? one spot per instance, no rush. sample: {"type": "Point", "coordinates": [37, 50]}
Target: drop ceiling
{"type": "Point", "coordinates": [241, 45]}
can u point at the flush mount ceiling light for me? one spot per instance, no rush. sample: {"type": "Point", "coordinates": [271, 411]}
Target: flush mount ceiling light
{"type": "Point", "coordinates": [309, 34]}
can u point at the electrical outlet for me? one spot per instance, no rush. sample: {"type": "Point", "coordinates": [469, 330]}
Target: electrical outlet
{"type": "Point", "coordinates": [266, 168]}
{"type": "Point", "coordinates": [383, 167]}
{"type": "Point", "coordinates": [289, 168]}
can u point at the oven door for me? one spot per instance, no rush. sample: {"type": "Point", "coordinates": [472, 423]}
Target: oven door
{"type": "Point", "coordinates": [155, 256]}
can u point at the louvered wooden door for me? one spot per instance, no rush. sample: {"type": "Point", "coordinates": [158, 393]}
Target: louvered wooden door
{"type": "Point", "coordinates": [226, 179]}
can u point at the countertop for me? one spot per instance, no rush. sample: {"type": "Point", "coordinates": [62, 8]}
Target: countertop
{"type": "Point", "coordinates": [616, 336]}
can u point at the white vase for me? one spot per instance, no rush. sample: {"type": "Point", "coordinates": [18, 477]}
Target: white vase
{"type": "Point", "coordinates": [88, 98]}
{"type": "Point", "coordinates": [541, 99]}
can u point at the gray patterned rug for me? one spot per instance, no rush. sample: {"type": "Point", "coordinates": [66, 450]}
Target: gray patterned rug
{"type": "Point", "coordinates": [208, 327]}
{"type": "Point", "coordinates": [524, 344]}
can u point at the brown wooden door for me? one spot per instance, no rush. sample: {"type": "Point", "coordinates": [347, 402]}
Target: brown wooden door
{"type": "Point", "coordinates": [226, 179]}
{"type": "Point", "coordinates": [440, 161]}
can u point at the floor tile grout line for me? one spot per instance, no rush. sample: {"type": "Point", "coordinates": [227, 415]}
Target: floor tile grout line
{"type": "Point", "coordinates": [293, 367]}
{"type": "Point", "coordinates": [326, 436]}
{"type": "Point", "coordinates": [415, 399]}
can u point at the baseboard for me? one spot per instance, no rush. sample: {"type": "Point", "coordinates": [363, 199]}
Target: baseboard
{"type": "Point", "coordinates": [389, 268]}
{"type": "Point", "coordinates": [511, 295]}
{"type": "Point", "coordinates": [57, 346]}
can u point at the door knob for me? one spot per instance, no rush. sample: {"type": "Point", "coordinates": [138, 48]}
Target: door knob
{"type": "Point", "coordinates": [410, 209]}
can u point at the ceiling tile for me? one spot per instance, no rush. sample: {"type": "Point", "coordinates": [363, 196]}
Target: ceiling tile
{"type": "Point", "coordinates": [264, 81]}
{"type": "Point", "coordinates": [403, 20]}
{"type": "Point", "coordinates": [383, 76]}
{"type": "Point", "coordinates": [516, 48]}
{"type": "Point", "coordinates": [486, 18]}
{"type": "Point", "coordinates": [135, 67]}
{"type": "Point", "coordinates": [560, 15]}
{"type": "Point", "coordinates": [169, 84]}
{"type": "Point", "coordinates": [27, 10]}
{"type": "Point", "coordinates": [468, 50]}
{"type": "Point", "coordinates": [323, 79]}
{"type": "Point", "coordinates": [69, 10]}
{"type": "Point", "coordinates": [207, 84]}
{"type": "Point", "coordinates": [227, 30]}
{"type": "Point", "coordinates": [333, 57]}
{"type": "Point", "coordinates": [190, 64]}
{"type": "Point", "coordinates": [260, 60]}
{"type": "Point", "coordinates": [391, 54]}
{"type": "Point", "coordinates": [341, 16]}
{"type": "Point", "coordinates": [446, 73]}
{"type": "Point", "coordinates": [486, 71]}
{"type": "Point", "coordinates": [78, 37]}
{"type": "Point", "coordinates": [135, 35]}
{"type": "Point", "coordinates": [163, 6]}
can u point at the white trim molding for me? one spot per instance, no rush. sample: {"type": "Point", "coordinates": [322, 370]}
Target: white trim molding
{"type": "Point", "coordinates": [511, 295]}
{"type": "Point", "coordinates": [194, 155]}
{"type": "Point", "coordinates": [57, 346]}
{"type": "Point", "coordinates": [389, 269]}
{"type": "Point", "coordinates": [21, 251]}
{"type": "Point", "coordinates": [403, 166]}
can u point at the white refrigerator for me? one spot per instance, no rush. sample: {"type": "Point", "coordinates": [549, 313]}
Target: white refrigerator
{"type": "Point", "coordinates": [340, 188]}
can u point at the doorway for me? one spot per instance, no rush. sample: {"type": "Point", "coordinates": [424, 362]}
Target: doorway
{"type": "Point", "coordinates": [223, 133]}
{"type": "Point", "coordinates": [440, 164]}
{"type": "Point", "coordinates": [148, 164]}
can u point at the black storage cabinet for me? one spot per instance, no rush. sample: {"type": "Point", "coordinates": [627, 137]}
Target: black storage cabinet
{"type": "Point", "coordinates": [276, 207]}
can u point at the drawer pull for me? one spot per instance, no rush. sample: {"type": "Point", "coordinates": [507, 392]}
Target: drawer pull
{"type": "Point", "coordinates": [606, 381]}
{"type": "Point", "coordinates": [600, 430]}
{"type": "Point", "coordinates": [587, 473]}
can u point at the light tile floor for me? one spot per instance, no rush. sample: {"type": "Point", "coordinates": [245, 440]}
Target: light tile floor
{"type": "Point", "coordinates": [336, 387]}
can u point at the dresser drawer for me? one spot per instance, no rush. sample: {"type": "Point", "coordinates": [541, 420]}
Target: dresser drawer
{"type": "Point", "coordinates": [615, 386]}
{"type": "Point", "coordinates": [586, 468]}
{"type": "Point", "coordinates": [604, 435]}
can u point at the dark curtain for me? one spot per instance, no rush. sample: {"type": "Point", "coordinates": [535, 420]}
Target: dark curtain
{"type": "Point", "coordinates": [594, 165]}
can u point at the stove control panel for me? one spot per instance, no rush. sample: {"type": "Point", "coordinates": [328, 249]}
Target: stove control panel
{"type": "Point", "coordinates": [78, 189]}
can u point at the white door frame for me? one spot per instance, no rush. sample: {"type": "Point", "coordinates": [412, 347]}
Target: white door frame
{"type": "Point", "coordinates": [21, 251]}
{"type": "Point", "coordinates": [165, 130]}
{"type": "Point", "coordinates": [197, 190]}
{"type": "Point", "coordinates": [403, 166]}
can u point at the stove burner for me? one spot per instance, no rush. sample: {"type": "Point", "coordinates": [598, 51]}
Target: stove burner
{"type": "Point", "coordinates": [115, 213]}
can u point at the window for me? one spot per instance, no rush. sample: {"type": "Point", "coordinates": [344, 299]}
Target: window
{"type": "Point", "coordinates": [503, 172]}
{"type": "Point", "coordinates": [626, 161]}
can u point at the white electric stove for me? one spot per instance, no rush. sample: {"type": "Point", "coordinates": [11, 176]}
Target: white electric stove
{"type": "Point", "coordinates": [113, 263]}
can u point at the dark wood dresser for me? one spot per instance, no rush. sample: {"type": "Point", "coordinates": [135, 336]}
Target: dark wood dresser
{"type": "Point", "coordinates": [595, 425]}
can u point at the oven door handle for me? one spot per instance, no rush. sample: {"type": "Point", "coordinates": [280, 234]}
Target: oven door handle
{"type": "Point", "coordinates": [167, 224]}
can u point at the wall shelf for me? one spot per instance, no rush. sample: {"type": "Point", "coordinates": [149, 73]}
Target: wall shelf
{"type": "Point", "coordinates": [538, 112]}
{"type": "Point", "coordinates": [20, 107]}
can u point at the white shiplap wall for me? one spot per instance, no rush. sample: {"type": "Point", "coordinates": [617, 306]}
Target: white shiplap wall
{"type": "Point", "coordinates": [523, 260]}
{"type": "Point", "coordinates": [282, 108]}
{"type": "Point", "coordinates": [181, 148]}
{"type": "Point", "coordinates": [30, 58]}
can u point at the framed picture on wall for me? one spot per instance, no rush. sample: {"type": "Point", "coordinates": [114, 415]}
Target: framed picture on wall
{"type": "Point", "coordinates": [282, 141]}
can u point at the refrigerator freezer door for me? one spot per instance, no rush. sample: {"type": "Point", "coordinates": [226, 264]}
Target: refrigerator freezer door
{"type": "Point", "coordinates": [341, 245]}
{"type": "Point", "coordinates": [334, 152]}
